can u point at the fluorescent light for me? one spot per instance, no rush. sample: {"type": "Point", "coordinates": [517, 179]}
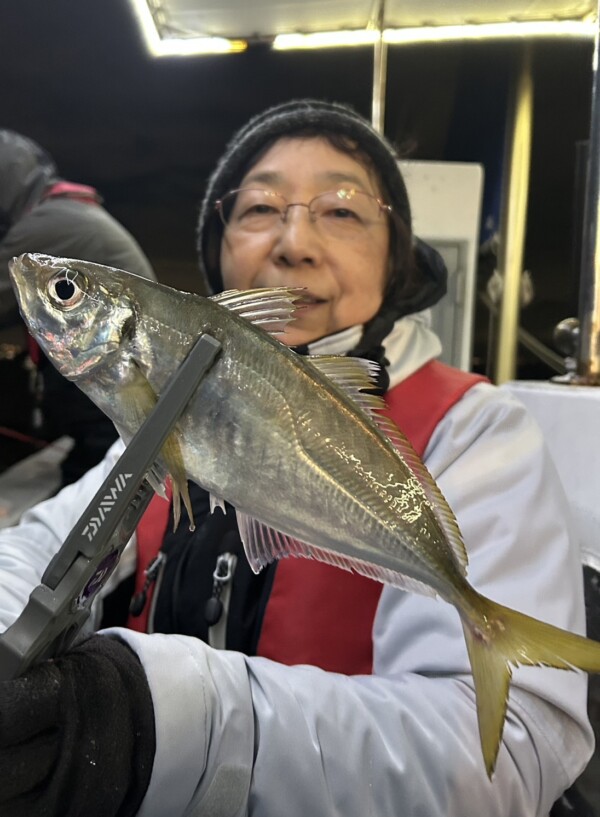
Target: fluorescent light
{"type": "Point", "coordinates": [583, 29]}
{"type": "Point", "coordinates": [197, 45]}
{"type": "Point", "coordinates": [325, 39]}
{"type": "Point", "coordinates": [179, 46]}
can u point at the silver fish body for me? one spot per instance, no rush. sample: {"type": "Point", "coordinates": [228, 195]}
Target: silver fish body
{"type": "Point", "coordinates": [266, 431]}
{"type": "Point", "coordinates": [307, 467]}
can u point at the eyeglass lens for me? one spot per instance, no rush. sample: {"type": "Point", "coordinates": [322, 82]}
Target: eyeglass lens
{"type": "Point", "coordinates": [339, 212]}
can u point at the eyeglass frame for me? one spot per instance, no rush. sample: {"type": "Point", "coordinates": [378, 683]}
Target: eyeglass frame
{"type": "Point", "coordinates": [383, 208]}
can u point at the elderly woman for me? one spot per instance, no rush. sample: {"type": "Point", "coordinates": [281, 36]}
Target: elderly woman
{"type": "Point", "coordinates": [308, 690]}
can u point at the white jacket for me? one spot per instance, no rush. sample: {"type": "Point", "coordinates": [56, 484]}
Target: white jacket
{"type": "Point", "coordinates": [241, 735]}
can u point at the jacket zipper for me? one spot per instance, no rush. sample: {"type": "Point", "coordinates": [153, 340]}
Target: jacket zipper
{"type": "Point", "coordinates": [217, 607]}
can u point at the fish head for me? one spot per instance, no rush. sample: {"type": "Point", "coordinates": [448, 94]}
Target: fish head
{"type": "Point", "coordinates": [80, 313]}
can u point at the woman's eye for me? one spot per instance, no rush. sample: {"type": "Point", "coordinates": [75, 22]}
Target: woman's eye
{"type": "Point", "coordinates": [261, 210]}
{"type": "Point", "coordinates": [342, 212]}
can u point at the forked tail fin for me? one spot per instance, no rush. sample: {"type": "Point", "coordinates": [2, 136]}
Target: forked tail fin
{"type": "Point", "coordinates": [504, 638]}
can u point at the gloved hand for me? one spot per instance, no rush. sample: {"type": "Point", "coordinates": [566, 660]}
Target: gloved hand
{"type": "Point", "coordinates": [77, 735]}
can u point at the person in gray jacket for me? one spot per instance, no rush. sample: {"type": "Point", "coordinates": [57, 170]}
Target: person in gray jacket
{"type": "Point", "coordinates": [328, 694]}
{"type": "Point", "coordinates": [42, 212]}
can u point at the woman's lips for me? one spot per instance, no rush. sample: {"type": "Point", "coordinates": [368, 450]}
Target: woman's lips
{"type": "Point", "coordinates": [308, 300]}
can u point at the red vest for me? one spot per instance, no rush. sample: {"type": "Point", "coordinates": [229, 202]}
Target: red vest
{"type": "Point", "coordinates": [318, 614]}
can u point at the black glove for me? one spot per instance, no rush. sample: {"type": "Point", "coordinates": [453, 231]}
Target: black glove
{"type": "Point", "coordinates": [77, 735]}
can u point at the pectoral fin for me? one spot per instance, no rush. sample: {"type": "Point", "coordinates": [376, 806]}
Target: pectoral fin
{"type": "Point", "coordinates": [138, 399]}
{"type": "Point", "coordinates": [171, 452]}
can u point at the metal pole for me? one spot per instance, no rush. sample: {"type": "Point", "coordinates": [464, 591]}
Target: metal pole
{"type": "Point", "coordinates": [514, 218]}
{"type": "Point", "coordinates": [588, 359]}
{"type": "Point", "coordinates": [379, 74]}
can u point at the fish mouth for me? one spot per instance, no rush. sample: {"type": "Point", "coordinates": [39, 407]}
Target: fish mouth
{"type": "Point", "coordinates": [22, 264]}
{"type": "Point", "coordinates": [18, 269]}
{"type": "Point", "coordinates": [22, 261]}
{"type": "Point", "coordinates": [15, 268]}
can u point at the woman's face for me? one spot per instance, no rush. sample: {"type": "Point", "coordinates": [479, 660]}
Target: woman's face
{"type": "Point", "coordinates": [342, 266]}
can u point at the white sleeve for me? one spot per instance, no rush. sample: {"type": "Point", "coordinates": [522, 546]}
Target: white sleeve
{"type": "Point", "coordinates": [247, 736]}
{"type": "Point", "coordinates": [27, 548]}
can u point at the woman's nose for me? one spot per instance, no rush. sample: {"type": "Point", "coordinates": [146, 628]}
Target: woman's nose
{"type": "Point", "coordinates": [298, 240]}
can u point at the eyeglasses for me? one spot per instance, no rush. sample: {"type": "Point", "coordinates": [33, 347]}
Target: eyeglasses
{"type": "Point", "coordinates": [342, 213]}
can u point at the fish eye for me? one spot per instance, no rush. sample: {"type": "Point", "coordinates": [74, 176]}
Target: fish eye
{"type": "Point", "coordinates": [64, 290]}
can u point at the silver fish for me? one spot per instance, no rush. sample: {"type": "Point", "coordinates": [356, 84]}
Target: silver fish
{"type": "Point", "coordinates": [278, 435]}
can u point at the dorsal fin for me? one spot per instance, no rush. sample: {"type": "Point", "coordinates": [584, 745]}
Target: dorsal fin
{"type": "Point", "coordinates": [357, 377]}
{"type": "Point", "coordinates": [441, 510]}
{"type": "Point", "coordinates": [354, 375]}
{"type": "Point", "coordinates": [271, 309]}
{"type": "Point", "coordinates": [263, 545]}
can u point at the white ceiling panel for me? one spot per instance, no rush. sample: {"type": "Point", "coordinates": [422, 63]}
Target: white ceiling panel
{"type": "Point", "coordinates": [263, 19]}
{"type": "Point", "coordinates": [266, 18]}
{"type": "Point", "coordinates": [400, 14]}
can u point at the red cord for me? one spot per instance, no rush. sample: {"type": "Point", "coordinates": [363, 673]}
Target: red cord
{"type": "Point", "coordinates": [24, 438]}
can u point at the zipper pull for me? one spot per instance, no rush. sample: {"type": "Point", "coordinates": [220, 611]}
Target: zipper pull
{"type": "Point", "coordinates": [213, 609]}
{"type": "Point", "coordinates": [138, 602]}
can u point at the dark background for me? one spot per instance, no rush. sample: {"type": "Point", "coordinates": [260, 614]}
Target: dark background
{"type": "Point", "coordinates": [75, 76]}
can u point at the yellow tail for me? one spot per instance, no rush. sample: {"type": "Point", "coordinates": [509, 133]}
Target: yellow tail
{"type": "Point", "coordinates": [501, 637]}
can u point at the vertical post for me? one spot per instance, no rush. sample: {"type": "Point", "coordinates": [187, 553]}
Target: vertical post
{"type": "Point", "coordinates": [513, 221]}
{"type": "Point", "coordinates": [379, 74]}
{"type": "Point", "coordinates": [588, 359]}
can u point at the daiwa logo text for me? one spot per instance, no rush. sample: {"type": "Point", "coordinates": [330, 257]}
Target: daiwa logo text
{"type": "Point", "coordinates": [106, 503]}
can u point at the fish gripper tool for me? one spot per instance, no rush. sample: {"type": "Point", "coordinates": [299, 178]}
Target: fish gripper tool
{"type": "Point", "coordinates": [60, 605]}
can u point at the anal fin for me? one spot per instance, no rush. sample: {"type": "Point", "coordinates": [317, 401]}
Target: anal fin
{"type": "Point", "coordinates": [263, 544]}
